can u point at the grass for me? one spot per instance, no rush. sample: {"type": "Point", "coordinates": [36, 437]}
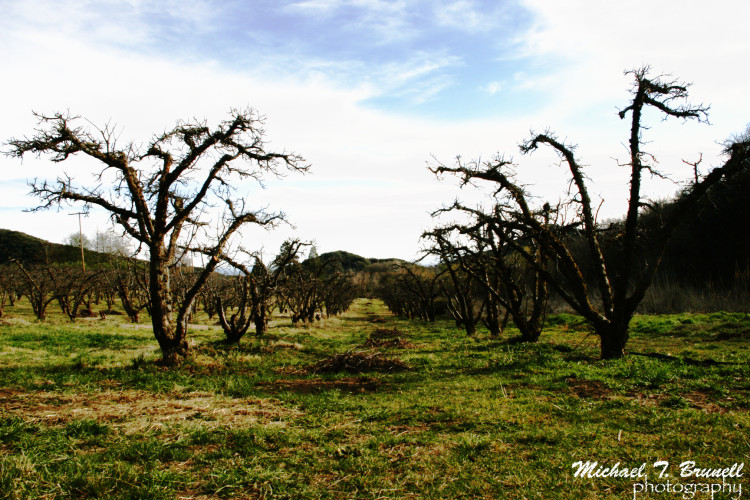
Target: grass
{"type": "Point", "coordinates": [85, 411]}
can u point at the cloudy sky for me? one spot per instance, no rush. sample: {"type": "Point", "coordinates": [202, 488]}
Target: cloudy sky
{"type": "Point", "coordinates": [370, 92]}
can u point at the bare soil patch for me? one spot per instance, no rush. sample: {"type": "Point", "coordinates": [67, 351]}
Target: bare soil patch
{"type": "Point", "coordinates": [588, 389]}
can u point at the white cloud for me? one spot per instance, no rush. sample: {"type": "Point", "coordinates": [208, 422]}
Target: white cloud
{"type": "Point", "coordinates": [493, 88]}
{"type": "Point", "coordinates": [320, 7]}
{"type": "Point", "coordinates": [697, 41]}
{"type": "Point", "coordinates": [581, 49]}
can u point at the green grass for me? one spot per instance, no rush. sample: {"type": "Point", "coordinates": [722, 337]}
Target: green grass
{"type": "Point", "coordinates": [85, 411]}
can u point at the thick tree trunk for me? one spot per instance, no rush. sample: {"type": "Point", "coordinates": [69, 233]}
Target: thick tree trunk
{"type": "Point", "coordinates": [530, 330]}
{"type": "Point", "coordinates": [174, 349]}
{"type": "Point", "coordinates": [261, 326]}
{"type": "Point", "coordinates": [234, 328]}
{"type": "Point", "coordinates": [613, 338]}
{"type": "Point", "coordinates": [171, 335]}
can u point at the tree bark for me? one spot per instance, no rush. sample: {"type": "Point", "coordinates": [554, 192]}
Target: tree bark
{"type": "Point", "coordinates": [613, 338]}
{"type": "Point", "coordinates": [171, 335]}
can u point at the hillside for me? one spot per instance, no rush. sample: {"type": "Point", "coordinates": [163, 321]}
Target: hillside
{"type": "Point", "coordinates": [32, 250]}
{"type": "Point", "coordinates": [346, 262]}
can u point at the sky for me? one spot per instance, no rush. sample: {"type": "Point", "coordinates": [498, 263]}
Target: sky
{"type": "Point", "coordinates": [371, 93]}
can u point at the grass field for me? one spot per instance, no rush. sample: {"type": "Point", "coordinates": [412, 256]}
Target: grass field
{"type": "Point", "coordinates": [85, 411]}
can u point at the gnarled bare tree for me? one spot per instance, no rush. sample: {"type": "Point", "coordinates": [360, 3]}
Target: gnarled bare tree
{"type": "Point", "coordinates": [484, 249]}
{"type": "Point", "coordinates": [163, 195]}
{"type": "Point", "coordinates": [254, 291]}
{"type": "Point", "coordinates": [38, 286]}
{"type": "Point", "coordinates": [609, 294]}
{"type": "Point", "coordinates": [460, 290]}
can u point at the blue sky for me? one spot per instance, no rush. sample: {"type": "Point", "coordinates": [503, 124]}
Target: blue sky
{"type": "Point", "coordinates": [370, 91]}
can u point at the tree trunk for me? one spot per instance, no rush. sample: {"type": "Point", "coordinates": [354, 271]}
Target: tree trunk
{"type": "Point", "coordinates": [613, 338]}
{"type": "Point", "coordinates": [530, 330]}
{"type": "Point", "coordinates": [171, 335]}
{"type": "Point", "coordinates": [127, 304]}
{"type": "Point", "coordinates": [492, 318]}
{"type": "Point", "coordinates": [236, 327]}
{"type": "Point", "coordinates": [260, 326]}
{"type": "Point", "coordinates": [174, 349]}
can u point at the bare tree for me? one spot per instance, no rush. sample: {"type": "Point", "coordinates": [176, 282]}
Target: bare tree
{"type": "Point", "coordinates": [73, 288]}
{"type": "Point", "coordinates": [76, 240]}
{"type": "Point", "coordinates": [38, 286]}
{"type": "Point", "coordinates": [461, 296]}
{"type": "Point", "coordinates": [128, 278]}
{"type": "Point", "coordinates": [163, 196]}
{"type": "Point", "coordinates": [315, 287]}
{"type": "Point", "coordinates": [254, 291]}
{"type": "Point", "coordinates": [302, 293]}
{"type": "Point", "coordinates": [487, 255]}
{"type": "Point", "coordinates": [607, 295]}
{"type": "Point", "coordinates": [211, 292]}
{"type": "Point", "coordinates": [9, 286]}
{"type": "Point", "coordinates": [109, 241]}
{"type": "Point", "coordinates": [339, 291]}
{"type": "Point", "coordinates": [235, 325]}
{"type": "Point", "coordinates": [412, 290]}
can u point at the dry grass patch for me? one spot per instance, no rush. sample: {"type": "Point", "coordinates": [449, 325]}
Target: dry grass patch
{"type": "Point", "coordinates": [282, 345]}
{"type": "Point", "coordinates": [14, 321]}
{"type": "Point", "coordinates": [137, 411]}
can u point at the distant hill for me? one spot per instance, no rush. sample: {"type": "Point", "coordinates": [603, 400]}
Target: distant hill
{"type": "Point", "coordinates": [346, 262]}
{"type": "Point", "coordinates": [32, 250]}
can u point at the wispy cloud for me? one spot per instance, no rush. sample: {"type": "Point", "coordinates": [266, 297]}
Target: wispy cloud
{"type": "Point", "coordinates": [492, 88]}
{"type": "Point", "coordinates": [462, 15]}
{"type": "Point", "coordinates": [375, 21]}
{"type": "Point", "coordinates": [313, 7]}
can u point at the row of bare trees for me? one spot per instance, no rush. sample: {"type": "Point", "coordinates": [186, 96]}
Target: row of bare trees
{"type": "Point", "coordinates": [306, 290]}
{"type": "Point", "coordinates": [514, 254]}
{"type": "Point", "coordinates": [247, 298]}
{"type": "Point", "coordinates": [73, 289]}
{"type": "Point", "coordinates": [463, 287]}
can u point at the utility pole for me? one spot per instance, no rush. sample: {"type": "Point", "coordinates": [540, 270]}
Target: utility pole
{"type": "Point", "coordinates": [80, 238]}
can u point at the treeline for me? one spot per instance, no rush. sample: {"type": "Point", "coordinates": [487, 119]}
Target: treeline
{"type": "Point", "coordinates": [712, 245]}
